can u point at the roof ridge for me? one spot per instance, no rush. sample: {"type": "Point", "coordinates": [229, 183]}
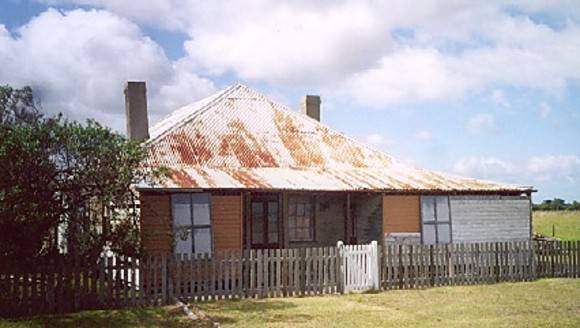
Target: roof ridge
{"type": "Point", "coordinates": [196, 112]}
{"type": "Point", "coordinates": [347, 137]}
{"type": "Point", "coordinates": [238, 85]}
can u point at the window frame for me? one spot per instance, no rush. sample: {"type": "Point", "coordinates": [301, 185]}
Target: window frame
{"type": "Point", "coordinates": [192, 227]}
{"type": "Point", "coordinates": [265, 199]}
{"type": "Point", "coordinates": [312, 200]}
{"type": "Point", "coordinates": [435, 222]}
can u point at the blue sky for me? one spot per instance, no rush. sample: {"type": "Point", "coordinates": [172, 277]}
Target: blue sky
{"type": "Point", "coordinates": [488, 90]}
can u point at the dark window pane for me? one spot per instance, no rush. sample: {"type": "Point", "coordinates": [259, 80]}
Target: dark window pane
{"type": "Point", "coordinates": [292, 208]}
{"type": "Point", "coordinates": [273, 208]}
{"type": "Point", "coordinates": [300, 209]}
{"type": "Point", "coordinates": [257, 209]}
{"type": "Point", "coordinates": [308, 209]}
{"type": "Point", "coordinates": [272, 222]}
{"type": "Point", "coordinates": [272, 237]}
{"type": "Point", "coordinates": [300, 221]}
{"type": "Point", "coordinates": [257, 223]}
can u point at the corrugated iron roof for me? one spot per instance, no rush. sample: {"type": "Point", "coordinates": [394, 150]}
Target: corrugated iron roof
{"type": "Point", "coordinates": [239, 138]}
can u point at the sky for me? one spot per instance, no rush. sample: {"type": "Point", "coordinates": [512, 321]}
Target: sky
{"type": "Point", "coordinates": [485, 89]}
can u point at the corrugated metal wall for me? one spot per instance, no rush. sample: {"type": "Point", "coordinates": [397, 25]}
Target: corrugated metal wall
{"type": "Point", "coordinates": [490, 218]}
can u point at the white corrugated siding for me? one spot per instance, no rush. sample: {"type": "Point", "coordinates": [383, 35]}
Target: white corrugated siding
{"type": "Point", "coordinates": [489, 218]}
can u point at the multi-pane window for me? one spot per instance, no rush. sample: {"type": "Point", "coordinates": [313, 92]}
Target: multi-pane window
{"type": "Point", "coordinates": [265, 229]}
{"type": "Point", "coordinates": [436, 220]}
{"type": "Point", "coordinates": [191, 223]}
{"type": "Point", "coordinates": [300, 218]}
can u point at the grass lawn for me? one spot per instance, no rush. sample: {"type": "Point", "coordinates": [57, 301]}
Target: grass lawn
{"type": "Point", "coordinates": [567, 224]}
{"type": "Point", "coordinates": [169, 316]}
{"type": "Point", "coordinates": [544, 303]}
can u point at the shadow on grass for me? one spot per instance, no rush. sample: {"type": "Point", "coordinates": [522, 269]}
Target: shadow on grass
{"type": "Point", "coordinates": [264, 310]}
{"type": "Point", "coordinates": [136, 317]}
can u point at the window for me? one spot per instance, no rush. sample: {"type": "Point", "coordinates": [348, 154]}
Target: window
{"type": "Point", "coordinates": [191, 223]}
{"type": "Point", "coordinates": [300, 218]}
{"type": "Point", "coordinates": [436, 220]}
{"type": "Point", "coordinates": [264, 217]}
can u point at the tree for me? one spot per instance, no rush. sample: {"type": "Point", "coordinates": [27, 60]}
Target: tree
{"type": "Point", "coordinates": [556, 204]}
{"type": "Point", "coordinates": [58, 174]}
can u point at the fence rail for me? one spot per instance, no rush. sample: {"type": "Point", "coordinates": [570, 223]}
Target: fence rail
{"type": "Point", "coordinates": [115, 282]}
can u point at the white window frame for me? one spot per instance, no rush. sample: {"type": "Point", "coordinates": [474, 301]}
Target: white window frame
{"type": "Point", "coordinates": [436, 222]}
{"type": "Point", "coordinates": [192, 227]}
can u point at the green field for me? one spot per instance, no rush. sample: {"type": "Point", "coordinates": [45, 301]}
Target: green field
{"type": "Point", "coordinates": [566, 224]}
{"type": "Point", "coordinates": [543, 303]}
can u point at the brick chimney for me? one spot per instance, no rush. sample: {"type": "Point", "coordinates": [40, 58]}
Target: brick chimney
{"type": "Point", "coordinates": [136, 110]}
{"type": "Point", "coordinates": [310, 105]}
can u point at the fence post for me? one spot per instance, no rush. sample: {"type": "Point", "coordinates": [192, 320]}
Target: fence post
{"type": "Point", "coordinates": [164, 278]}
{"type": "Point", "coordinates": [374, 265]}
{"type": "Point", "coordinates": [431, 267]}
{"type": "Point", "coordinates": [450, 265]}
{"type": "Point", "coordinates": [534, 254]}
{"type": "Point", "coordinates": [340, 259]}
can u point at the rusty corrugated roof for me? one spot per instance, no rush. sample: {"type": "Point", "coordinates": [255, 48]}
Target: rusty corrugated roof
{"type": "Point", "coordinates": [239, 138]}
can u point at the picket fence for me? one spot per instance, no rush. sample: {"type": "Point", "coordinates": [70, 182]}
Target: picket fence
{"type": "Point", "coordinates": [115, 282]}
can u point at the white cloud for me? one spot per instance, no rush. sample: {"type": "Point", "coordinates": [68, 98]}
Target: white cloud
{"type": "Point", "coordinates": [78, 61]}
{"type": "Point", "coordinates": [544, 110]}
{"type": "Point", "coordinates": [424, 135]}
{"type": "Point", "coordinates": [406, 75]}
{"type": "Point", "coordinates": [498, 97]}
{"type": "Point", "coordinates": [167, 14]}
{"type": "Point", "coordinates": [553, 167]}
{"type": "Point", "coordinates": [484, 167]}
{"type": "Point", "coordinates": [287, 42]}
{"type": "Point", "coordinates": [354, 46]}
{"type": "Point", "coordinates": [482, 124]}
{"type": "Point", "coordinates": [537, 168]}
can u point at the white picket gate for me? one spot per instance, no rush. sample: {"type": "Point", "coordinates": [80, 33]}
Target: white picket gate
{"type": "Point", "coordinates": [360, 266]}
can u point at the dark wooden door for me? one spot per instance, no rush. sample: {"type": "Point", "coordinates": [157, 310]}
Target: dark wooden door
{"type": "Point", "coordinates": [265, 221]}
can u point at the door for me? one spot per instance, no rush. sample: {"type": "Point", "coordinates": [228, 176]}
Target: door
{"type": "Point", "coordinates": [265, 217]}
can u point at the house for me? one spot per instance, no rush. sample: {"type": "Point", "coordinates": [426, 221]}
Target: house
{"type": "Point", "coordinates": [247, 172]}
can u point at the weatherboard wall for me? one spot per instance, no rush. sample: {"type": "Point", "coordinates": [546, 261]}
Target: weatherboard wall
{"type": "Point", "coordinates": [156, 232]}
{"type": "Point", "coordinates": [227, 221]}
